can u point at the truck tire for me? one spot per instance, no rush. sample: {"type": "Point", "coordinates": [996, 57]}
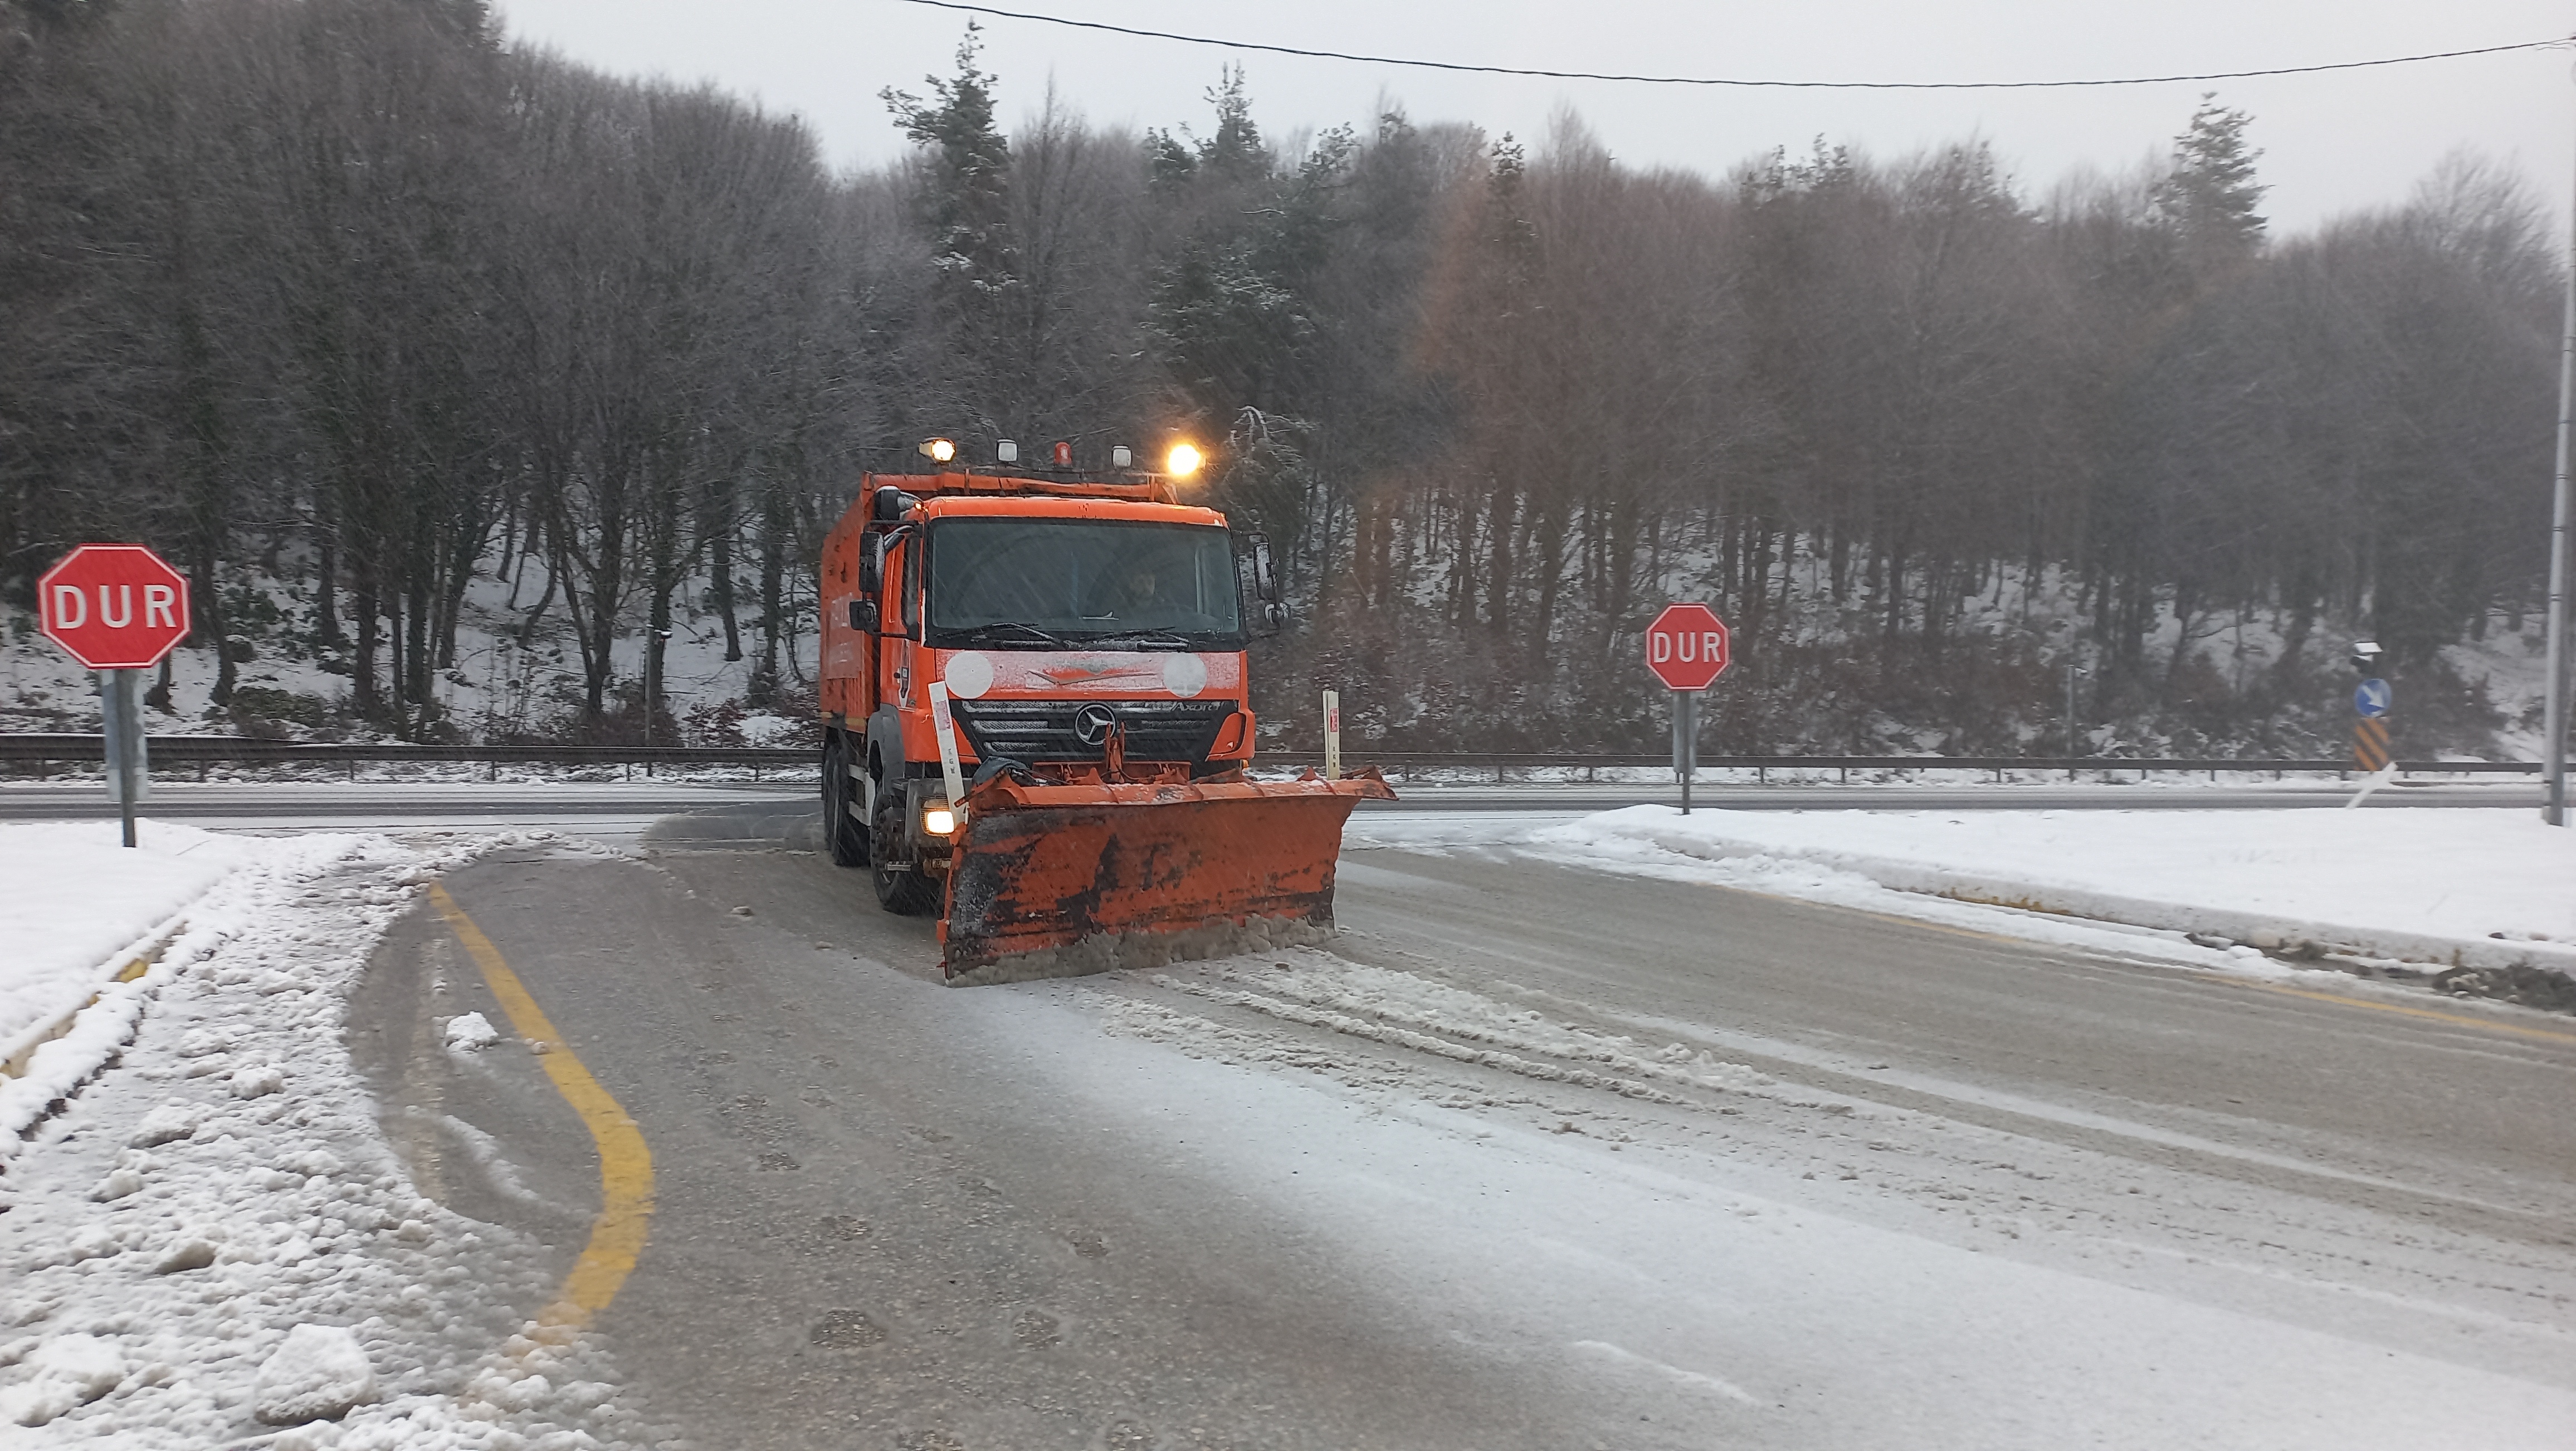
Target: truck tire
{"type": "Point", "coordinates": [902, 891]}
{"type": "Point", "coordinates": [844, 836]}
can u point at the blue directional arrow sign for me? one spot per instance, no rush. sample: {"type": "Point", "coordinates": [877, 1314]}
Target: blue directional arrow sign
{"type": "Point", "coordinates": [2372, 699]}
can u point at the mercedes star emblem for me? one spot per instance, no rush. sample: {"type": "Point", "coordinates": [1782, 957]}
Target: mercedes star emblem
{"type": "Point", "coordinates": [1091, 723]}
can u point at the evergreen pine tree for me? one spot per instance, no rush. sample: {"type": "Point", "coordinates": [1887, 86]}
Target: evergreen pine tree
{"type": "Point", "coordinates": [1235, 152]}
{"type": "Point", "coordinates": [965, 199]}
{"type": "Point", "coordinates": [2209, 197]}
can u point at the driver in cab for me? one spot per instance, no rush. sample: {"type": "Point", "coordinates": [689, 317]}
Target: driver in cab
{"type": "Point", "coordinates": [1135, 592]}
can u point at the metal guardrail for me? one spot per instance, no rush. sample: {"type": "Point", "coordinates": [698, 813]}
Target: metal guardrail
{"type": "Point", "coordinates": [202, 751]}
{"type": "Point", "coordinates": [1401, 763]}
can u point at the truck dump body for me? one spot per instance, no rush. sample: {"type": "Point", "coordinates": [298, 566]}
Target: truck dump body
{"type": "Point", "coordinates": [1074, 649]}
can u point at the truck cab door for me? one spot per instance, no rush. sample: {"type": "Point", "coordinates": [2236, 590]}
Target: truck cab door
{"type": "Point", "coordinates": [899, 616]}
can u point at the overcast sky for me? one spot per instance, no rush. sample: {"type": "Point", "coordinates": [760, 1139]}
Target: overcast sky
{"type": "Point", "coordinates": [2332, 143]}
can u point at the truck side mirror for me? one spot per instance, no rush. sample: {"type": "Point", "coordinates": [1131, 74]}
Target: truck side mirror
{"type": "Point", "coordinates": [1265, 581]}
{"type": "Point", "coordinates": [872, 555]}
{"type": "Point", "coordinates": [863, 616]}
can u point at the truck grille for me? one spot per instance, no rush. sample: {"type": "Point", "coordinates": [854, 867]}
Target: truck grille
{"type": "Point", "coordinates": [1044, 730]}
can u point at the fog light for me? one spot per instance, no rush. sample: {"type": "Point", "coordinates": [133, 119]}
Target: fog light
{"type": "Point", "coordinates": [938, 820]}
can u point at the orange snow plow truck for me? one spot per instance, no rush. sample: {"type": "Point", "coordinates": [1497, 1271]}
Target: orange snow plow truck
{"type": "Point", "coordinates": [1036, 722]}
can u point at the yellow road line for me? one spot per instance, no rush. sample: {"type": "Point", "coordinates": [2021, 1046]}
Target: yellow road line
{"type": "Point", "coordinates": [17, 1067]}
{"type": "Point", "coordinates": [625, 1165]}
{"type": "Point", "coordinates": [2435, 1014]}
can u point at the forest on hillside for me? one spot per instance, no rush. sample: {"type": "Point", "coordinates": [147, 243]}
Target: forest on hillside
{"type": "Point", "coordinates": [350, 293]}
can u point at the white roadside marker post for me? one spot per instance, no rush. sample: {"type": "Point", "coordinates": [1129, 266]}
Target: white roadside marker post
{"type": "Point", "coordinates": [1332, 735]}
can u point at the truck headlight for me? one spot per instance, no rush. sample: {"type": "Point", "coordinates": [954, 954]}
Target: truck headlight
{"type": "Point", "coordinates": [938, 819]}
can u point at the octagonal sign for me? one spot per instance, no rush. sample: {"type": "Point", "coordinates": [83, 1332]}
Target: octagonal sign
{"type": "Point", "coordinates": [1686, 647]}
{"type": "Point", "coordinates": [113, 606]}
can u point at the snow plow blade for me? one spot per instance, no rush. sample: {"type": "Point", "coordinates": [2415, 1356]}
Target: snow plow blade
{"type": "Point", "coordinates": [1053, 881]}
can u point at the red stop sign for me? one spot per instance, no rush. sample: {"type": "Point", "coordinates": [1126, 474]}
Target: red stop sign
{"type": "Point", "coordinates": [113, 606]}
{"type": "Point", "coordinates": [1686, 647]}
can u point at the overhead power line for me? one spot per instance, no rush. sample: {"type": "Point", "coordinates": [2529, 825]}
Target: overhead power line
{"type": "Point", "coordinates": [1499, 70]}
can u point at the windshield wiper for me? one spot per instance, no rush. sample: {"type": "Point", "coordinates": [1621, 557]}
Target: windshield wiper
{"type": "Point", "coordinates": [1013, 629]}
{"type": "Point", "coordinates": [1144, 640]}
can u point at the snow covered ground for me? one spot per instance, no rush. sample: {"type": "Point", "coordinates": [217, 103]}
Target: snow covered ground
{"type": "Point", "coordinates": [76, 906]}
{"type": "Point", "coordinates": [214, 1244]}
{"type": "Point", "coordinates": [2481, 889]}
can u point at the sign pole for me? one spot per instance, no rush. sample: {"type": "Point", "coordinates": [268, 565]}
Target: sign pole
{"type": "Point", "coordinates": [120, 714]}
{"type": "Point", "coordinates": [1685, 740]}
{"type": "Point", "coordinates": [2553, 729]}
{"type": "Point", "coordinates": [2074, 746]}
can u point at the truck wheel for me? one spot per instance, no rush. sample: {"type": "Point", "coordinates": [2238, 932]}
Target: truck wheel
{"type": "Point", "coordinates": [843, 834]}
{"type": "Point", "coordinates": [904, 893]}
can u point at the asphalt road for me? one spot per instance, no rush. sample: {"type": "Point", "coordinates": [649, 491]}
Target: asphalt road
{"type": "Point", "coordinates": [1069, 1214]}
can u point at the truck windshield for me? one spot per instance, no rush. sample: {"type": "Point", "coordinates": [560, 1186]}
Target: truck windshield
{"type": "Point", "coordinates": [1031, 583]}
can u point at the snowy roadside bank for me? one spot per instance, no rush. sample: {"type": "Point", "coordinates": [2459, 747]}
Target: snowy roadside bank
{"type": "Point", "coordinates": [2477, 898]}
{"type": "Point", "coordinates": [213, 1243]}
{"type": "Point", "coordinates": [76, 906]}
